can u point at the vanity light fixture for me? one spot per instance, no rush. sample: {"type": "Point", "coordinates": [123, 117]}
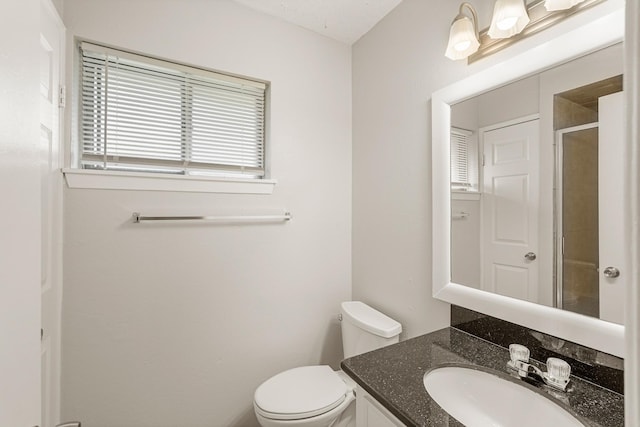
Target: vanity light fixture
{"type": "Point", "coordinates": [509, 18]}
{"type": "Point", "coordinates": [551, 5]}
{"type": "Point", "coordinates": [463, 36]}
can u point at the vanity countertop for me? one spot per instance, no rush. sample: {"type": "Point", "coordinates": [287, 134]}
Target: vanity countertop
{"type": "Point", "coordinates": [394, 376]}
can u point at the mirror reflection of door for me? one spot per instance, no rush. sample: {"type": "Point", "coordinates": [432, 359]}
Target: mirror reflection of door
{"type": "Point", "coordinates": [613, 266]}
{"type": "Point", "coordinates": [589, 203]}
{"type": "Point", "coordinates": [510, 209]}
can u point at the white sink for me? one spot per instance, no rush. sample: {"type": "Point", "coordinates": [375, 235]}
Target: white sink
{"type": "Point", "coordinates": [481, 399]}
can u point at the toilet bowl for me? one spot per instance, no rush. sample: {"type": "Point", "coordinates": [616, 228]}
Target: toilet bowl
{"type": "Point", "coordinates": [318, 396]}
{"type": "Point", "coordinates": [310, 396]}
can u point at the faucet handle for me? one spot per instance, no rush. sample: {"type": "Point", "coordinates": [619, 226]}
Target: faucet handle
{"type": "Point", "coordinates": [519, 359]}
{"type": "Point", "coordinates": [558, 373]}
{"type": "Point", "coordinates": [518, 353]}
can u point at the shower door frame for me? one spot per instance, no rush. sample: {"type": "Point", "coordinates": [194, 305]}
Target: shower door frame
{"type": "Point", "coordinates": [558, 234]}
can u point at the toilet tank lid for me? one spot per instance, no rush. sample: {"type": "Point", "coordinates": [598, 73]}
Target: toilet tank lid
{"type": "Point", "coordinates": [370, 319]}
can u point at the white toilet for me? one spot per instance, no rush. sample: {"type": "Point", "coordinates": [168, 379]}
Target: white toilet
{"type": "Point", "coordinates": [318, 396]}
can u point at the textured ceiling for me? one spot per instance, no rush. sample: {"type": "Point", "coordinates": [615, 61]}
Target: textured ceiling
{"type": "Point", "coordinates": [342, 20]}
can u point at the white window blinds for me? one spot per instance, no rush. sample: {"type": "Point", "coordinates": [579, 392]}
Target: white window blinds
{"type": "Point", "coordinates": [145, 114]}
{"type": "Point", "coordinates": [460, 159]}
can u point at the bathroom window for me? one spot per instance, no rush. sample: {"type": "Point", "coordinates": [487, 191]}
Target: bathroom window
{"type": "Point", "coordinates": [143, 114]}
{"type": "Point", "coordinates": [463, 160]}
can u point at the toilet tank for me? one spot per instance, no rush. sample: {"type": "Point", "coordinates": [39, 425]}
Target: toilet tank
{"type": "Point", "coordinates": [365, 329]}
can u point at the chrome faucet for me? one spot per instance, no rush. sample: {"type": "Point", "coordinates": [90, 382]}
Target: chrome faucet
{"type": "Point", "coordinates": [558, 371]}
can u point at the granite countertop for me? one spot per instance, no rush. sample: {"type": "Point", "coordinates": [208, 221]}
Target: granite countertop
{"type": "Point", "coordinates": [393, 375]}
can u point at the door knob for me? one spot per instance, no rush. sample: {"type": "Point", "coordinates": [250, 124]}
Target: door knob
{"type": "Point", "coordinates": [70, 424]}
{"type": "Point", "coordinates": [530, 256]}
{"type": "Point", "coordinates": [611, 272]}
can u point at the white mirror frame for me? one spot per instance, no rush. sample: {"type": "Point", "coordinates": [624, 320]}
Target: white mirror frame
{"type": "Point", "coordinates": [605, 27]}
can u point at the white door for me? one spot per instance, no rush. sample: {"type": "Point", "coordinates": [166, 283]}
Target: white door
{"type": "Point", "coordinates": [20, 215]}
{"type": "Point", "coordinates": [51, 48]}
{"type": "Point", "coordinates": [510, 210]}
{"type": "Point", "coordinates": [611, 207]}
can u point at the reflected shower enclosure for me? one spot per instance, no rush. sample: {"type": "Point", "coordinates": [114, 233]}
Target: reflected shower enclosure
{"type": "Point", "coordinates": [578, 205]}
{"type": "Point", "coordinates": [578, 221]}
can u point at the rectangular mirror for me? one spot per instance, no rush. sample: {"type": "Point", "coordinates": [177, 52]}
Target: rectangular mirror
{"type": "Point", "coordinates": [535, 187]}
{"type": "Point", "coordinates": [524, 236]}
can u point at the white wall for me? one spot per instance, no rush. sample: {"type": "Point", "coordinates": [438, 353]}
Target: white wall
{"type": "Point", "coordinates": [396, 67]}
{"type": "Point", "coordinates": [59, 5]}
{"type": "Point", "coordinates": [513, 101]}
{"type": "Point", "coordinates": [465, 232]}
{"type": "Point", "coordinates": [176, 325]}
{"type": "Point", "coordinates": [465, 243]}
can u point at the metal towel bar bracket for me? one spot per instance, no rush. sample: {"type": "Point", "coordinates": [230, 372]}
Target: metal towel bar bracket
{"type": "Point", "coordinates": [138, 218]}
{"type": "Point", "coordinates": [459, 215]}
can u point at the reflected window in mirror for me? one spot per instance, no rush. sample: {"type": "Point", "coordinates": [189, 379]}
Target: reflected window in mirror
{"type": "Point", "coordinates": [464, 160]}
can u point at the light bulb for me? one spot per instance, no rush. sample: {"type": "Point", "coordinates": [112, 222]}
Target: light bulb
{"type": "Point", "coordinates": [463, 35]}
{"type": "Point", "coordinates": [506, 23]}
{"type": "Point", "coordinates": [509, 18]}
{"type": "Point", "coordinates": [464, 45]}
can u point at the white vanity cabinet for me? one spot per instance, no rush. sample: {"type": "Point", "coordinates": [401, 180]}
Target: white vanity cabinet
{"type": "Point", "coordinates": [370, 413]}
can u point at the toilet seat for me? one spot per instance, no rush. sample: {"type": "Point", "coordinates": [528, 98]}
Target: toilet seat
{"type": "Point", "coordinates": [300, 393]}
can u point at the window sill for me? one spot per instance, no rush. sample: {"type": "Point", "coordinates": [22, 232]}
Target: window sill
{"type": "Point", "coordinates": [465, 195]}
{"type": "Point", "coordinates": [115, 180]}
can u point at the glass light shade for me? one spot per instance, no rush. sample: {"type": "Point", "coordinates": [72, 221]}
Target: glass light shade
{"type": "Point", "coordinates": [552, 5]}
{"type": "Point", "coordinates": [462, 39]}
{"type": "Point", "coordinates": [509, 18]}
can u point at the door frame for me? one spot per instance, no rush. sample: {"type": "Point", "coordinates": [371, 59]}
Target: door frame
{"type": "Point", "coordinates": [51, 24]}
{"type": "Point", "coordinates": [632, 175]}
